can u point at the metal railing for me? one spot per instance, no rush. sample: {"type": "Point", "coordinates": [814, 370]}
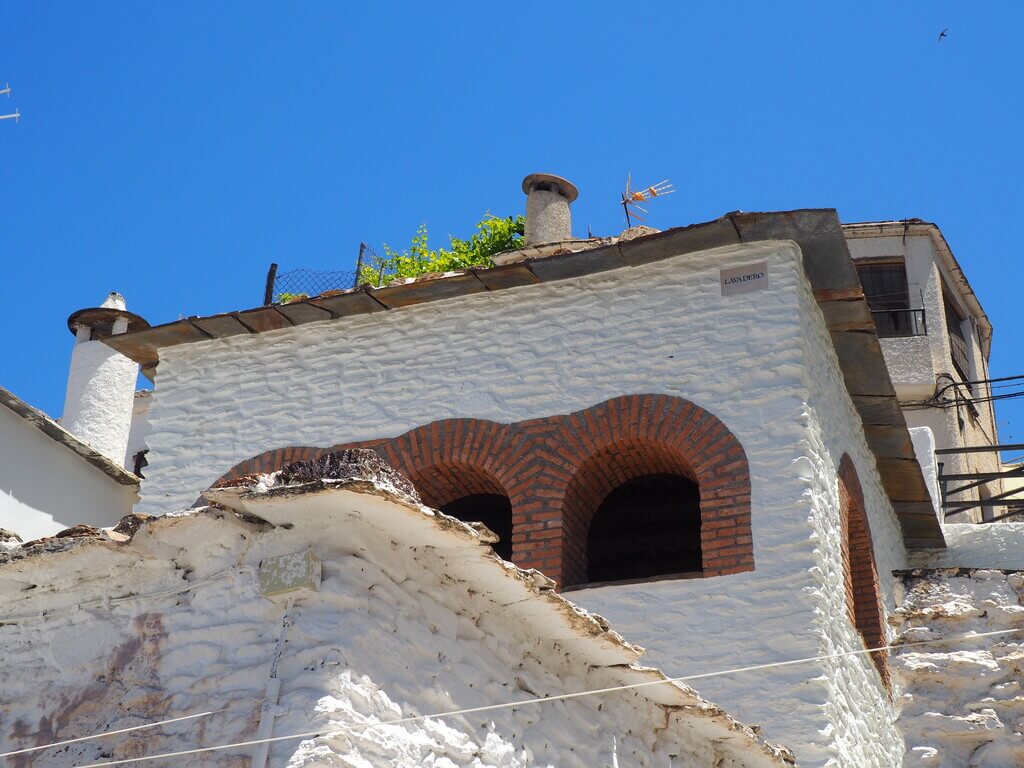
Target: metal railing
{"type": "Point", "coordinates": [1011, 501]}
{"type": "Point", "coordinates": [899, 322]}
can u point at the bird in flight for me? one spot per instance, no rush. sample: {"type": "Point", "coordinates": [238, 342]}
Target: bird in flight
{"type": "Point", "coordinates": [942, 34]}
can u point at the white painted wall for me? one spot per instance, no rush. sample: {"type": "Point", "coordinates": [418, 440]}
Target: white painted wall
{"type": "Point", "coordinates": [761, 362]}
{"type": "Point", "coordinates": [45, 487]}
{"type": "Point", "coordinates": [139, 432]}
{"type": "Point", "coordinates": [100, 396]}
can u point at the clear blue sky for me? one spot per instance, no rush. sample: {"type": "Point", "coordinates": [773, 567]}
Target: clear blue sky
{"type": "Point", "coordinates": [172, 151]}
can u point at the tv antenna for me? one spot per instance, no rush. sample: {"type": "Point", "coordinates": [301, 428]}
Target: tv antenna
{"type": "Point", "coordinates": [15, 115]}
{"type": "Point", "coordinates": [631, 199]}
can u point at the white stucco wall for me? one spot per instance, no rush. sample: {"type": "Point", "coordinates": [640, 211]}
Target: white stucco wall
{"type": "Point", "coordinates": [761, 362]}
{"type": "Point", "coordinates": [100, 396]}
{"type": "Point", "coordinates": [45, 487]}
{"type": "Point", "coordinates": [970, 545]}
{"type": "Point", "coordinates": [139, 432]}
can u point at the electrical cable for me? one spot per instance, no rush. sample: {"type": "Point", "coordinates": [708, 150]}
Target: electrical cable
{"type": "Point", "coordinates": [358, 727]}
{"type": "Point", "coordinates": [120, 731]}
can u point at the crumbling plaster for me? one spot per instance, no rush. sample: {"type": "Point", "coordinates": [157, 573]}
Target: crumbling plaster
{"type": "Point", "coordinates": [414, 616]}
{"type": "Point", "coordinates": [961, 701]}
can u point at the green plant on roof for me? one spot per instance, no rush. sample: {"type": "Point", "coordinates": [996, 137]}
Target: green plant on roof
{"type": "Point", "coordinates": [493, 235]}
{"type": "Point", "coordinates": [284, 298]}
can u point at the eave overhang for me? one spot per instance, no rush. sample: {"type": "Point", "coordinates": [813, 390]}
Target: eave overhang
{"type": "Point", "coordinates": [826, 262]}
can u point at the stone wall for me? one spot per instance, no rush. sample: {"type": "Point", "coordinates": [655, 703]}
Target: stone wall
{"type": "Point", "coordinates": [962, 702]}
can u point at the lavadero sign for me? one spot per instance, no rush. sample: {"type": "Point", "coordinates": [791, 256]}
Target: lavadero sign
{"type": "Point", "coordinates": [748, 279]}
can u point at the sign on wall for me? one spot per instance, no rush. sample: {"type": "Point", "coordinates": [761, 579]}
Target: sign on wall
{"type": "Point", "coordinates": [753, 277]}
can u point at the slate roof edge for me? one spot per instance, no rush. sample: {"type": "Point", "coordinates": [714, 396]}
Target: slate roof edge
{"type": "Point", "coordinates": [56, 432]}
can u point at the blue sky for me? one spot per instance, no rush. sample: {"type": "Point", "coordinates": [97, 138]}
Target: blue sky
{"type": "Point", "coordinates": [172, 151]}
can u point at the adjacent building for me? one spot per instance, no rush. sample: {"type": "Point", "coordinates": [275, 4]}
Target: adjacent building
{"type": "Point", "coordinates": [937, 339]}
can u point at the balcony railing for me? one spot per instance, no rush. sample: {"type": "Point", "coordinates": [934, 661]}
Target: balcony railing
{"type": "Point", "coordinates": [900, 322]}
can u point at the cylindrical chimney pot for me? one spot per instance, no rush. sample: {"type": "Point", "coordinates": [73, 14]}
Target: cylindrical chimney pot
{"type": "Point", "coordinates": [547, 208]}
{"type": "Point", "coordinates": [101, 383]}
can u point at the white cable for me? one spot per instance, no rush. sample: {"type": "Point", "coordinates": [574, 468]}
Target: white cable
{"type": "Point", "coordinates": [328, 732]}
{"type": "Point", "coordinates": [113, 733]}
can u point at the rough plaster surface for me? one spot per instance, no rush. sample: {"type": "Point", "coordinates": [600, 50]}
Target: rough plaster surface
{"type": "Point", "coordinates": [413, 617]}
{"type": "Point", "coordinates": [993, 545]}
{"type": "Point", "coordinates": [923, 440]}
{"type": "Point", "coordinates": [46, 487]}
{"type": "Point", "coordinates": [100, 397]}
{"type": "Point", "coordinates": [139, 432]}
{"type": "Point", "coordinates": [761, 362]}
{"type": "Point", "coordinates": [548, 218]}
{"type": "Point", "coordinates": [962, 703]}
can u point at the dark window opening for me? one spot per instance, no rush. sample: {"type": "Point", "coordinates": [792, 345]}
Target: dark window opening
{"type": "Point", "coordinates": [648, 526]}
{"type": "Point", "coordinates": [888, 296]}
{"type": "Point", "coordinates": [491, 509]}
{"type": "Point", "coordinates": [885, 286]}
{"type": "Point", "coordinates": [957, 341]}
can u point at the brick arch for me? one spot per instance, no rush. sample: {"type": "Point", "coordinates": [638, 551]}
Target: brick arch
{"type": "Point", "coordinates": [860, 573]}
{"type": "Point", "coordinates": [452, 458]}
{"type": "Point", "coordinates": [635, 435]}
{"type": "Point", "coordinates": [534, 462]}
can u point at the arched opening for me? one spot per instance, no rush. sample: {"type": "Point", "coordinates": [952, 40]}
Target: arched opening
{"type": "Point", "coordinates": [860, 573]}
{"type": "Point", "coordinates": [632, 511]}
{"type": "Point", "coordinates": [493, 510]}
{"type": "Point", "coordinates": [648, 526]}
{"type": "Point", "coordinates": [469, 494]}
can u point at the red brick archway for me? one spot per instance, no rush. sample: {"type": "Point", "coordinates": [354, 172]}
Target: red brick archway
{"type": "Point", "coordinates": [860, 573]}
{"type": "Point", "coordinates": [554, 469]}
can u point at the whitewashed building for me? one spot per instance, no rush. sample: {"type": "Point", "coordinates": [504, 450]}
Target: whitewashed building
{"type": "Point", "coordinates": [697, 433]}
{"type": "Point", "coordinates": [56, 475]}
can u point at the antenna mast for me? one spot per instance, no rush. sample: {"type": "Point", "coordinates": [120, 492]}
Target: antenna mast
{"type": "Point", "coordinates": [15, 115]}
{"type": "Point", "coordinates": [631, 198]}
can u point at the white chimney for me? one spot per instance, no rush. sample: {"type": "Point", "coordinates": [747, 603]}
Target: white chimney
{"type": "Point", "coordinates": [547, 208]}
{"type": "Point", "coordinates": [101, 383]}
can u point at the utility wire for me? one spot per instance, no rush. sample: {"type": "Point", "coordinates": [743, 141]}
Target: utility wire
{"type": "Point", "coordinates": [358, 727]}
{"type": "Point", "coordinates": [119, 731]}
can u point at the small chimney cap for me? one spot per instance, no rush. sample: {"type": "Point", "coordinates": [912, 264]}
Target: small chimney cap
{"type": "Point", "coordinates": [549, 181]}
{"type": "Point", "coordinates": [101, 319]}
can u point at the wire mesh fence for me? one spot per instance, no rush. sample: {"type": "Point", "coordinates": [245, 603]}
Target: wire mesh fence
{"type": "Point", "coordinates": [305, 283]}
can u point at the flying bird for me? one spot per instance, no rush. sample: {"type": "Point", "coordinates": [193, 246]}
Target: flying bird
{"type": "Point", "coordinates": [942, 34]}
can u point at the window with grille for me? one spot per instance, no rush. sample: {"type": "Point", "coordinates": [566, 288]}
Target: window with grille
{"type": "Point", "coordinates": [957, 341]}
{"type": "Point", "coordinates": [888, 295]}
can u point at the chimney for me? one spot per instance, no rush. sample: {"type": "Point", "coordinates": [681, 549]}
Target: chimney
{"type": "Point", "coordinates": [547, 208]}
{"type": "Point", "coordinates": [101, 382]}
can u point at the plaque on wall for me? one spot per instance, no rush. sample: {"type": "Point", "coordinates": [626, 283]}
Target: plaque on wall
{"type": "Point", "coordinates": [753, 277]}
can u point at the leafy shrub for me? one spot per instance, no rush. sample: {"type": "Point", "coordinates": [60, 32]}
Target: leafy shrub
{"type": "Point", "coordinates": [493, 235]}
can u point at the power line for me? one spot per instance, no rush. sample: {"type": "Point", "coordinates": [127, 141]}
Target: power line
{"type": "Point", "coordinates": [120, 731]}
{"type": "Point", "coordinates": [325, 732]}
